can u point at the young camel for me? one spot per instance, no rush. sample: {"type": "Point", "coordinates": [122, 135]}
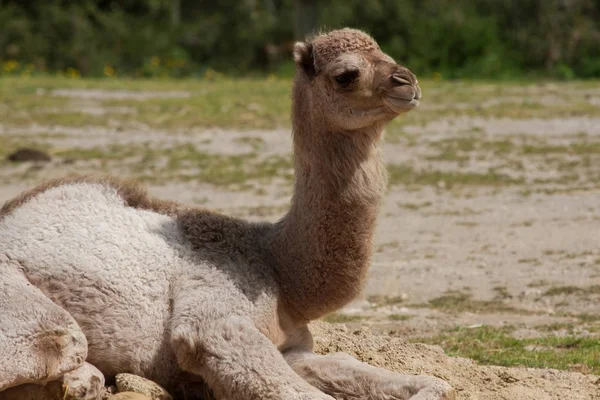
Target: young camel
{"type": "Point", "coordinates": [95, 271]}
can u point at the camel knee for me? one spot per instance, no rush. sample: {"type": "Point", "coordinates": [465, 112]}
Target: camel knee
{"type": "Point", "coordinates": [41, 356]}
{"type": "Point", "coordinates": [59, 351]}
{"type": "Point", "coordinates": [50, 354]}
{"type": "Point", "coordinates": [39, 340]}
{"type": "Point", "coordinates": [83, 383]}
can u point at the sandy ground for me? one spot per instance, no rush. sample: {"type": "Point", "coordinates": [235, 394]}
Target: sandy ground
{"type": "Point", "coordinates": [471, 382]}
{"type": "Point", "coordinates": [521, 252]}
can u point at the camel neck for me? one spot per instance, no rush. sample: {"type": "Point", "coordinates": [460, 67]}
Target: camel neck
{"type": "Point", "coordinates": [322, 247]}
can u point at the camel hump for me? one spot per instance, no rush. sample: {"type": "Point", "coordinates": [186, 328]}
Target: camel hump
{"type": "Point", "coordinates": [132, 193]}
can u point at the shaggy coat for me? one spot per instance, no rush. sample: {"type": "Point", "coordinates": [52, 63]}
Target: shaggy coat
{"type": "Point", "coordinates": [94, 270]}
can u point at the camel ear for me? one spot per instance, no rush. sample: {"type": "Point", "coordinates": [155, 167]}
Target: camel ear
{"type": "Point", "coordinates": [303, 55]}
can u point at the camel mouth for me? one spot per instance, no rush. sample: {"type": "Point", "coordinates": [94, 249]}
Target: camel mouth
{"type": "Point", "coordinates": [399, 104]}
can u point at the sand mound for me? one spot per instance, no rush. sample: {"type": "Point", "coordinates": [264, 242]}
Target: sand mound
{"type": "Point", "coordinates": [472, 381]}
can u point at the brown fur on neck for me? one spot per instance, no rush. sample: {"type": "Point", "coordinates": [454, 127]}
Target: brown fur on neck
{"type": "Point", "coordinates": [322, 247]}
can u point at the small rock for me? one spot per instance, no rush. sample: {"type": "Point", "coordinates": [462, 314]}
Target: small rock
{"type": "Point", "coordinates": [137, 384]}
{"type": "Point", "coordinates": [28, 154]}
{"type": "Point", "coordinates": [129, 396]}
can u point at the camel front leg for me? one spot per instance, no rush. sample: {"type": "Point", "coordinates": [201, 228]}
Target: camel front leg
{"type": "Point", "coordinates": [346, 378]}
{"type": "Point", "coordinates": [39, 341]}
{"type": "Point", "coordinates": [238, 362]}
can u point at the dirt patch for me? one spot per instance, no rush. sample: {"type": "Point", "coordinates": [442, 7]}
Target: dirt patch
{"type": "Point", "coordinates": [98, 94]}
{"type": "Point", "coordinates": [472, 381]}
{"type": "Point", "coordinates": [510, 126]}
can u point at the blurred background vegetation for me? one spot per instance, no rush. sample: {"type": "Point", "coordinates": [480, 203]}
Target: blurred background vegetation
{"type": "Point", "coordinates": [500, 39]}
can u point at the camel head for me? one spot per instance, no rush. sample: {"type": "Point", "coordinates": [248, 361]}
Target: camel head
{"type": "Point", "coordinates": [345, 78]}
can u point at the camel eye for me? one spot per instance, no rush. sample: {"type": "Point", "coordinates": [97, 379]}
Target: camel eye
{"type": "Point", "coordinates": [345, 79]}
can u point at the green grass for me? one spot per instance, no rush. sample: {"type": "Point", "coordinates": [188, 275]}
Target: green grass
{"type": "Point", "coordinates": [415, 206]}
{"type": "Point", "coordinates": [255, 142]}
{"type": "Point", "coordinates": [389, 245]}
{"type": "Point", "coordinates": [574, 162]}
{"type": "Point", "coordinates": [399, 317]}
{"type": "Point", "coordinates": [588, 318]}
{"type": "Point", "coordinates": [379, 300]}
{"type": "Point", "coordinates": [459, 149]}
{"type": "Point", "coordinates": [178, 163]}
{"type": "Point", "coordinates": [264, 103]}
{"type": "Point", "coordinates": [502, 292]}
{"type": "Point", "coordinates": [579, 148]}
{"type": "Point", "coordinates": [253, 103]}
{"type": "Point", "coordinates": [407, 175]}
{"type": "Point", "coordinates": [236, 103]}
{"type": "Point", "coordinates": [538, 283]}
{"type": "Point", "coordinates": [339, 318]}
{"type": "Point", "coordinates": [573, 290]}
{"type": "Point", "coordinates": [457, 302]}
{"type": "Point", "coordinates": [495, 346]}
